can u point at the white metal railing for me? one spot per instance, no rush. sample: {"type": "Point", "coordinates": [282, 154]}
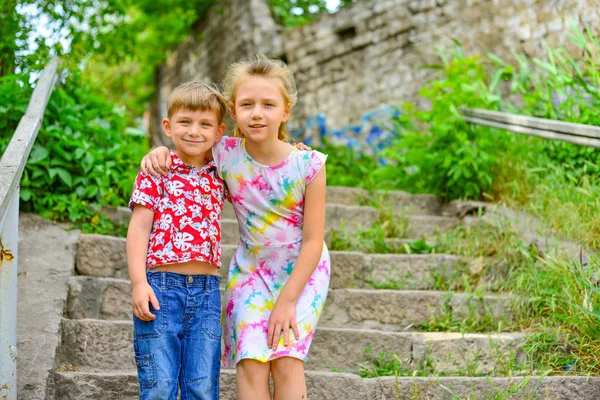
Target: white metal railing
{"type": "Point", "coordinates": [585, 135]}
{"type": "Point", "coordinates": [12, 164]}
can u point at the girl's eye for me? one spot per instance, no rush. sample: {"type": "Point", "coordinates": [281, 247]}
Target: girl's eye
{"type": "Point", "coordinates": [270, 105]}
{"type": "Point", "coordinates": [245, 104]}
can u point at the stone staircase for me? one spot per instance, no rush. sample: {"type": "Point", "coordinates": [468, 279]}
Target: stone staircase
{"type": "Point", "coordinates": [95, 356]}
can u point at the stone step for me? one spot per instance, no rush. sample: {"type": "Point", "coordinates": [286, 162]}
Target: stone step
{"type": "Point", "coordinates": [99, 255]}
{"type": "Point", "coordinates": [390, 310]}
{"type": "Point", "coordinates": [402, 202]}
{"type": "Point", "coordinates": [123, 385]}
{"type": "Point", "coordinates": [100, 345]}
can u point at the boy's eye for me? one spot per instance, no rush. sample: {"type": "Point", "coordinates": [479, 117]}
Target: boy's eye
{"type": "Point", "coordinates": [206, 124]}
{"type": "Point", "coordinates": [270, 105]}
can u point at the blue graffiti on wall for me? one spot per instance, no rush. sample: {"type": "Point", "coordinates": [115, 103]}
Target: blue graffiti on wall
{"type": "Point", "coordinates": [374, 133]}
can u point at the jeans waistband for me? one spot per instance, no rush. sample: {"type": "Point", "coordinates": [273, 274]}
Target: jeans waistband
{"type": "Point", "coordinates": [172, 279]}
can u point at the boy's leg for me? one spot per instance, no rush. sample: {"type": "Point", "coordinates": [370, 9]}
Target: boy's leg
{"type": "Point", "coordinates": [252, 380]}
{"type": "Point", "coordinates": [201, 347]}
{"type": "Point", "coordinates": [157, 345]}
{"type": "Point", "coordinates": [288, 379]}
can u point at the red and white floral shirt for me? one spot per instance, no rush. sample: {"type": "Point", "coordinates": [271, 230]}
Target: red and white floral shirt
{"type": "Point", "coordinates": [187, 207]}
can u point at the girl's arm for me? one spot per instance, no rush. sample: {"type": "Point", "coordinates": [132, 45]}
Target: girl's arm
{"type": "Point", "coordinates": [138, 236]}
{"type": "Point", "coordinates": [283, 315]}
{"type": "Point", "coordinates": [157, 162]}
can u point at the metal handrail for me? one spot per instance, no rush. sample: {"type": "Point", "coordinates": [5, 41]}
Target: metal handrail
{"type": "Point", "coordinates": [581, 134]}
{"type": "Point", "coordinates": [12, 164]}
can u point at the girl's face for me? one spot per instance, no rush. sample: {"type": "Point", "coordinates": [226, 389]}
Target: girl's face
{"type": "Point", "coordinates": [259, 108]}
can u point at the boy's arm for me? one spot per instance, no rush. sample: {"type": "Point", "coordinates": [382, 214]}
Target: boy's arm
{"type": "Point", "coordinates": [138, 236]}
{"type": "Point", "coordinates": [283, 315]}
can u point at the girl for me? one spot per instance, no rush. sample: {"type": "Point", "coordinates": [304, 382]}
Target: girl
{"type": "Point", "coordinates": [279, 276]}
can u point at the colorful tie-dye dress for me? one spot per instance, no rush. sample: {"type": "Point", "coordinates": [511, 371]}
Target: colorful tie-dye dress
{"type": "Point", "coordinates": [269, 205]}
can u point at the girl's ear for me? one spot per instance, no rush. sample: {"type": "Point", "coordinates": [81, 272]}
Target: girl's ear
{"type": "Point", "coordinates": [286, 113]}
{"type": "Point", "coordinates": [232, 109]}
{"type": "Point", "coordinates": [166, 125]}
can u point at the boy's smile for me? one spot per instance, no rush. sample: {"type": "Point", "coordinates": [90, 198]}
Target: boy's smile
{"type": "Point", "coordinates": [193, 133]}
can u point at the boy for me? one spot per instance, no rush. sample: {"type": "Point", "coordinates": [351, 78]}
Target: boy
{"type": "Point", "coordinates": [173, 253]}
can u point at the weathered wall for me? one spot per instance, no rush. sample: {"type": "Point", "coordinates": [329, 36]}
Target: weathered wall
{"type": "Point", "coordinates": [230, 30]}
{"type": "Point", "coordinates": [368, 55]}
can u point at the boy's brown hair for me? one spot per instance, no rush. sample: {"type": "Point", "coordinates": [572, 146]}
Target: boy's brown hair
{"type": "Point", "coordinates": [197, 96]}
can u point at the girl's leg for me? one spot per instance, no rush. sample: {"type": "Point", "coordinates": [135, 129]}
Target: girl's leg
{"type": "Point", "coordinates": [288, 379]}
{"type": "Point", "coordinates": [252, 380]}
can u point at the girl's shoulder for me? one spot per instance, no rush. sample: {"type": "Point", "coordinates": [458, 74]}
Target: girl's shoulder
{"type": "Point", "coordinates": [310, 162]}
{"type": "Point", "coordinates": [227, 143]}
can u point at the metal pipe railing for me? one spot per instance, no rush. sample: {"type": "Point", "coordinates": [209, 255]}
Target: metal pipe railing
{"type": "Point", "coordinates": [12, 163]}
{"type": "Point", "coordinates": [581, 134]}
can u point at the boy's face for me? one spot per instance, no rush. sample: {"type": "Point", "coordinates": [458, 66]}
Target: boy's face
{"type": "Point", "coordinates": [193, 132]}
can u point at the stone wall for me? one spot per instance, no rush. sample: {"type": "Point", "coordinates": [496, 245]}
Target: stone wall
{"type": "Point", "coordinates": [367, 55]}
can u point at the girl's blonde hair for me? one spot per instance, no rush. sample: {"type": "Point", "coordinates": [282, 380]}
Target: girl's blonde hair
{"type": "Point", "coordinates": [262, 66]}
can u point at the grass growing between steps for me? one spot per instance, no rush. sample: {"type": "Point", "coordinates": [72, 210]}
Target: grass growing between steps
{"type": "Point", "coordinates": [556, 301]}
{"type": "Point", "coordinates": [389, 364]}
{"type": "Point", "coordinates": [375, 239]}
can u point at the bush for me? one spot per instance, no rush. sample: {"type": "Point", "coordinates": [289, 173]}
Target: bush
{"type": "Point", "coordinates": [84, 154]}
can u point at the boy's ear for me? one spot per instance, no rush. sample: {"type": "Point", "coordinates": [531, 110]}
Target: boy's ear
{"type": "Point", "coordinates": [166, 125]}
{"type": "Point", "coordinates": [220, 132]}
{"type": "Point", "coordinates": [232, 109]}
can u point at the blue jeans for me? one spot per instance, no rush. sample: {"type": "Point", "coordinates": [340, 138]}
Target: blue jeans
{"type": "Point", "coordinates": [181, 348]}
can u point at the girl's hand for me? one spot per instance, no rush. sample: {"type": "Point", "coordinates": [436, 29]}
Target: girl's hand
{"type": "Point", "coordinates": [157, 162]}
{"type": "Point", "coordinates": [143, 295]}
{"type": "Point", "coordinates": [283, 317]}
{"type": "Point", "coordinates": [302, 146]}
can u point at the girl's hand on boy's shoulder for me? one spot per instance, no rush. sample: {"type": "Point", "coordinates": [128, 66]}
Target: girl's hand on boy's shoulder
{"type": "Point", "coordinates": [141, 297]}
{"type": "Point", "coordinates": [157, 162]}
{"type": "Point", "coordinates": [302, 146]}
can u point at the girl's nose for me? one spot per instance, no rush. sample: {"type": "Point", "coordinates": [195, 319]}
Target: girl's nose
{"type": "Point", "coordinates": [256, 113]}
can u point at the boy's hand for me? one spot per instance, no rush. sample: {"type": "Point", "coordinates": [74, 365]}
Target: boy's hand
{"type": "Point", "coordinates": [302, 146]}
{"type": "Point", "coordinates": [283, 317]}
{"type": "Point", "coordinates": [143, 295]}
{"type": "Point", "coordinates": [157, 162]}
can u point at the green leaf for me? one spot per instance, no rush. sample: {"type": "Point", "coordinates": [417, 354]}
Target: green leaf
{"type": "Point", "coordinates": [25, 194]}
{"type": "Point", "coordinates": [63, 175]}
{"type": "Point", "coordinates": [38, 153]}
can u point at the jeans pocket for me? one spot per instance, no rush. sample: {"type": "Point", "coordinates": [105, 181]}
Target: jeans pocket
{"type": "Point", "coordinates": [152, 329]}
{"type": "Point", "coordinates": [211, 320]}
{"type": "Point", "coordinates": [146, 370]}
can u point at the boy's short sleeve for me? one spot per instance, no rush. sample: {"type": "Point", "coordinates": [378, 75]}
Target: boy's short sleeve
{"type": "Point", "coordinates": [314, 161]}
{"type": "Point", "coordinates": [146, 192]}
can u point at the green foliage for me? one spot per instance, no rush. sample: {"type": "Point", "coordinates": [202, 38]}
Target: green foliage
{"type": "Point", "coordinates": [10, 27]}
{"type": "Point", "coordinates": [346, 167]}
{"type": "Point", "coordinates": [565, 312]}
{"type": "Point", "coordinates": [452, 158]}
{"type": "Point", "coordinates": [385, 365]}
{"type": "Point", "coordinates": [299, 12]}
{"type": "Point", "coordinates": [83, 157]}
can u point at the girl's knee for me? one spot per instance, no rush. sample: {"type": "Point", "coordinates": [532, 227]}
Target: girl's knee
{"type": "Point", "coordinates": [287, 366]}
{"type": "Point", "coordinates": [252, 368]}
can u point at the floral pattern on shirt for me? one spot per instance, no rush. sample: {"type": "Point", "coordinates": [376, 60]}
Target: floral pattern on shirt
{"type": "Point", "coordinates": [187, 208]}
